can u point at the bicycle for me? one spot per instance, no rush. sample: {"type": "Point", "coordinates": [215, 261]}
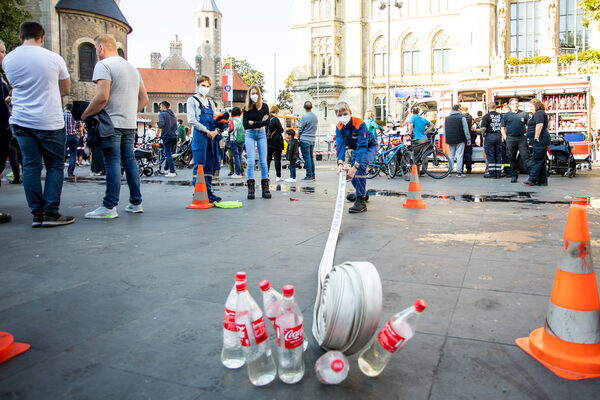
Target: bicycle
{"type": "Point", "coordinates": [433, 161]}
{"type": "Point", "coordinates": [387, 159]}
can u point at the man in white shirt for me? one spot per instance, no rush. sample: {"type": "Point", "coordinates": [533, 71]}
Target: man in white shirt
{"type": "Point", "coordinates": [39, 79]}
{"type": "Point", "coordinates": [121, 93]}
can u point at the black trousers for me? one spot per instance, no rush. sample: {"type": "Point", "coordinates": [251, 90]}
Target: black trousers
{"type": "Point", "coordinates": [97, 160]}
{"type": "Point", "coordinates": [9, 147]}
{"type": "Point", "coordinates": [517, 146]}
{"type": "Point", "coordinates": [277, 154]}
{"type": "Point", "coordinates": [468, 157]}
{"type": "Point", "coordinates": [538, 172]}
{"type": "Point", "coordinates": [493, 153]}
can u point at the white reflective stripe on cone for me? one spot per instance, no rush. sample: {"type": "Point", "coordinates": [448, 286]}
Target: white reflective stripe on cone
{"type": "Point", "coordinates": [414, 178]}
{"type": "Point", "coordinates": [573, 326]}
{"type": "Point", "coordinates": [414, 196]}
{"type": "Point", "coordinates": [573, 261]}
{"type": "Point", "coordinates": [199, 196]}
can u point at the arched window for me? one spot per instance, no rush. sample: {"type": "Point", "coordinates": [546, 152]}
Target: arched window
{"type": "Point", "coordinates": [410, 55]}
{"type": "Point", "coordinates": [155, 107]}
{"type": "Point", "coordinates": [380, 109]}
{"type": "Point", "coordinates": [87, 60]}
{"type": "Point", "coordinates": [216, 23]}
{"type": "Point", "coordinates": [379, 58]}
{"type": "Point", "coordinates": [441, 52]}
{"type": "Point", "coordinates": [323, 108]}
{"type": "Point", "coordinates": [180, 108]}
{"type": "Point", "coordinates": [121, 53]}
{"type": "Point", "coordinates": [207, 22]}
{"type": "Point", "coordinates": [185, 107]}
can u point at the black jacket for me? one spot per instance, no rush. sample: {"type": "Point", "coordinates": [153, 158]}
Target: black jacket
{"type": "Point", "coordinates": [98, 126]}
{"type": "Point", "coordinates": [454, 129]}
{"type": "Point", "coordinates": [292, 154]}
{"type": "Point", "coordinates": [274, 138]}
{"type": "Point", "coordinates": [4, 111]}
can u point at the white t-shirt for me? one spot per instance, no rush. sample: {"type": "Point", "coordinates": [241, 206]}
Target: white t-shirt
{"type": "Point", "coordinates": [150, 134]}
{"type": "Point", "coordinates": [124, 89]}
{"type": "Point", "coordinates": [34, 72]}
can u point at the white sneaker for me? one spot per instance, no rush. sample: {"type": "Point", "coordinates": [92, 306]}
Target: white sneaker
{"type": "Point", "coordinates": [171, 174]}
{"type": "Point", "coordinates": [290, 180]}
{"type": "Point", "coordinates": [236, 176]}
{"type": "Point", "coordinates": [134, 209]}
{"type": "Point", "coordinates": [102, 212]}
{"type": "Point", "coordinates": [278, 179]}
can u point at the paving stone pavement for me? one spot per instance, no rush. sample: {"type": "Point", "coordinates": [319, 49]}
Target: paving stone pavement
{"type": "Point", "coordinates": [132, 308]}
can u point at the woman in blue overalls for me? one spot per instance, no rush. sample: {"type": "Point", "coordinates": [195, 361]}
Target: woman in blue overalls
{"type": "Point", "coordinates": [205, 142]}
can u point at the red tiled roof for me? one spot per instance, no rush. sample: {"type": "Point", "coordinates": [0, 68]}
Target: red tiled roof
{"type": "Point", "coordinates": [238, 82]}
{"type": "Point", "coordinates": [169, 80]}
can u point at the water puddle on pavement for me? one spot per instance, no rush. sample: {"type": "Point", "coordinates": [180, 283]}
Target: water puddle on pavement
{"type": "Point", "coordinates": [516, 197]}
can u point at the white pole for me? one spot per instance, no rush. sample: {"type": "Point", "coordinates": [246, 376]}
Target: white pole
{"type": "Point", "coordinates": [387, 84]}
{"type": "Point", "coordinates": [318, 101]}
{"type": "Point", "coordinates": [275, 76]}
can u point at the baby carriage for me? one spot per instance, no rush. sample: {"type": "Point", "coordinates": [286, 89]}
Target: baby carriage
{"type": "Point", "coordinates": [144, 157]}
{"type": "Point", "coordinates": [561, 160]}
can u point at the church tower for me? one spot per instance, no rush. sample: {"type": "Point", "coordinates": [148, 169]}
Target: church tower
{"type": "Point", "coordinates": [208, 45]}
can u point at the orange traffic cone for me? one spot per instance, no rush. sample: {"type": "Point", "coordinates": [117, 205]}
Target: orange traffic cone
{"type": "Point", "coordinates": [414, 191]}
{"type": "Point", "coordinates": [581, 201]}
{"type": "Point", "coordinates": [200, 200]}
{"type": "Point", "coordinates": [9, 348]}
{"type": "Point", "coordinates": [569, 342]}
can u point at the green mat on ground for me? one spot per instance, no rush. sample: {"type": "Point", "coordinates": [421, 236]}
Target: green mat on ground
{"type": "Point", "coordinates": [228, 204]}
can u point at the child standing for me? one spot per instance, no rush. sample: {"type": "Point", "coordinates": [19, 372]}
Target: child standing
{"type": "Point", "coordinates": [292, 154]}
{"type": "Point", "coordinates": [236, 143]}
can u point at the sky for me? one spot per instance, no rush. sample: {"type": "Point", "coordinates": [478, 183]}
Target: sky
{"type": "Point", "coordinates": [250, 29]}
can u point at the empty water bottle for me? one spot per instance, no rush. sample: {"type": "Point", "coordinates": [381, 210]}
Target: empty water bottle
{"type": "Point", "coordinates": [332, 368]}
{"type": "Point", "coordinates": [290, 336]}
{"type": "Point", "coordinates": [391, 339]}
{"type": "Point", "coordinates": [232, 355]}
{"type": "Point", "coordinates": [253, 338]}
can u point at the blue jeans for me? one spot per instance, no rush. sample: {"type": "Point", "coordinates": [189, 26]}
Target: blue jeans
{"type": "Point", "coordinates": [116, 150]}
{"type": "Point", "coordinates": [168, 145]}
{"type": "Point", "coordinates": [72, 143]}
{"type": "Point", "coordinates": [236, 150]}
{"type": "Point", "coordinates": [307, 154]}
{"type": "Point", "coordinates": [257, 137]}
{"type": "Point", "coordinates": [49, 146]}
{"type": "Point", "coordinates": [293, 170]}
{"type": "Point", "coordinates": [359, 181]}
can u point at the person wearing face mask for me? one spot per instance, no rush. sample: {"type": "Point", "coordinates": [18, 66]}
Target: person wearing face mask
{"type": "Point", "coordinates": [352, 133]}
{"type": "Point", "coordinates": [205, 140]}
{"type": "Point", "coordinates": [256, 119]}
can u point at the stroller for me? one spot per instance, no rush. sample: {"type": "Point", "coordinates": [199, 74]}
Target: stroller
{"type": "Point", "coordinates": [145, 158]}
{"type": "Point", "coordinates": [561, 160]}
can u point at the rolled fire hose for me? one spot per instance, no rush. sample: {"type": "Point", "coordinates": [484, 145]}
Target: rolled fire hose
{"type": "Point", "coordinates": [349, 296]}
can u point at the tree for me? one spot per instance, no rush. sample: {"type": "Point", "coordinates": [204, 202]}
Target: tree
{"type": "Point", "coordinates": [285, 98]}
{"type": "Point", "coordinates": [248, 74]}
{"type": "Point", "coordinates": [10, 19]}
{"type": "Point", "coordinates": [591, 10]}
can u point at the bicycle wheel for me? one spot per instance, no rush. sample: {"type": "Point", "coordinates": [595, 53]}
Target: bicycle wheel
{"type": "Point", "coordinates": [391, 163]}
{"type": "Point", "coordinates": [406, 161]}
{"type": "Point", "coordinates": [436, 164]}
{"type": "Point", "coordinates": [374, 168]}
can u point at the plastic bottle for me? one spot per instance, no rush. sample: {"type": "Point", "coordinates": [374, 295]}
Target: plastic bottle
{"type": "Point", "coordinates": [232, 355]}
{"type": "Point", "coordinates": [271, 302]}
{"type": "Point", "coordinates": [391, 339]}
{"type": "Point", "coordinates": [253, 338]}
{"type": "Point", "coordinates": [290, 336]}
{"type": "Point", "coordinates": [332, 368]}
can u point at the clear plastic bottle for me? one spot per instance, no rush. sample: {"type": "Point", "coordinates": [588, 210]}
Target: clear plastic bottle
{"type": "Point", "coordinates": [232, 355]}
{"type": "Point", "coordinates": [391, 339]}
{"type": "Point", "coordinates": [271, 302]}
{"type": "Point", "coordinates": [253, 338]}
{"type": "Point", "coordinates": [290, 336]}
{"type": "Point", "coordinates": [332, 368]}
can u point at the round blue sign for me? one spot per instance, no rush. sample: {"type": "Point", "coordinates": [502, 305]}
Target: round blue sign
{"type": "Point", "coordinates": [227, 88]}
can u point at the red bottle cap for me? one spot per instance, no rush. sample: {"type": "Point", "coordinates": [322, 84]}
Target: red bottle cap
{"type": "Point", "coordinates": [420, 305]}
{"type": "Point", "coordinates": [241, 286]}
{"type": "Point", "coordinates": [337, 365]}
{"type": "Point", "coordinates": [240, 276]}
{"type": "Point", "coordinates": [288, 290]}
{"type": "Point", "coordinates": [264, 285]}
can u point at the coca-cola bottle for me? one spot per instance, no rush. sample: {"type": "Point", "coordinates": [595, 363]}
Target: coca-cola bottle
{"type": "Point", "coordinates": [271, 302]}
{"type": "Point", "coordinates": [232, 355]}
{"type": "Point", "coordinates": [393, 337]}
{"type": "Point", "coordinates": [332, 368]}
{"type": "Point", "coordinates": [253, 338]}
{"type": "Point", "coordinates": [290, 336]}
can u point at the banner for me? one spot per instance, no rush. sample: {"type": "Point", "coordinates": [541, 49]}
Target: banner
{"type": "Point", "coordinates": [228, 85]}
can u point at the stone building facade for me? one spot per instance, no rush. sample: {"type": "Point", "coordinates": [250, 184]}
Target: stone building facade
{"type": "Point", "coordinates": [208, 46]}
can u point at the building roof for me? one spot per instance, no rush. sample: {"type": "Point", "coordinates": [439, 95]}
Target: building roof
{"type": "Point", "coordinates": [238, 82]}
{"type": "Point", "coordinates": [211, 6]}
{"type": "Point", "coordinates": [169, 80]}
{"type": "Point", "coordinates": [107, 8]}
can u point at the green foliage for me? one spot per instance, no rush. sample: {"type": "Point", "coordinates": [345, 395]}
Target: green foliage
{"type": "Point", "coordinates": [591, 10]}
{"type": "Point", "coordinates": [512, 61]}
{"type": "Point", "coordinates": [566, 58]}
{"type": "Point", "coordinates": [285, 98]}
{"type": "Point", "coordinates": [589, 56]}
{"type": "Point", "coordinates": [248, 74]}
{"type": "Point", "coordinates": [541, 60]}
{"type": "Point", "coordinates": [11, 17]}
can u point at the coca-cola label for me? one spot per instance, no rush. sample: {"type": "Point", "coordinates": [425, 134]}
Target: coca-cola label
{"type": "Point", "coordinates": [389, 339]}
{"type": "Point", "coordinates": [293, 337]}
{"type": "Point", "coordinates": [278, 335]}
{"type": "Point", "coordinates": [230, 321]}
{"type": "Point", "coordinates": [272, 319]}
{"type": "Point", "coordinates": [243, 332]}
{"type": "Point", "coordinates": [260, 330]}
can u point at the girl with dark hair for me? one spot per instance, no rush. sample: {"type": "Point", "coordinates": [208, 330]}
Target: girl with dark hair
{"type": "Point", "coordinates": [537, 133]}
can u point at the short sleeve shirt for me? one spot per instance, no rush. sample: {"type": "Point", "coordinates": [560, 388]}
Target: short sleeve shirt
{"type": "Point", "coordinates": [124, 89]}
{"type": "Point", "coordinates": [491, 122]}
{"type": "Point", "coordinates": [515, 123]}
{"type": "Point", "coordinates": [540, 117]}
{"type": "Point", "coordinates": [34, 72]}
{"type": "Point", "coordinates": [419, 126]}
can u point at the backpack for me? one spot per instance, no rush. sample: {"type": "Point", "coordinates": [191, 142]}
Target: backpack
{"type": "Point", "coordinates": [240, 132]}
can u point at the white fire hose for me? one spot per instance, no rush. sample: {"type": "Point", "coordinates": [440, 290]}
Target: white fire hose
{"type": "Point", "coordinates": [349, 296]}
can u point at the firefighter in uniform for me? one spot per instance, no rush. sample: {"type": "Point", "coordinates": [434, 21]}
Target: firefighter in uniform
{"type": "Point", "coordinates": [490, 129]}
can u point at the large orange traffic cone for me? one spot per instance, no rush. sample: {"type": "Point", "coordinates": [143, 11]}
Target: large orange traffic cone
{"type": "Point", "coordinates": [9, 348]}
{"type": "Point", "coordinates": [569, 342]}
{"type": "Point", "coordinates": [414, 191]}
{"type": "Point", "coordinates": [200, 200]}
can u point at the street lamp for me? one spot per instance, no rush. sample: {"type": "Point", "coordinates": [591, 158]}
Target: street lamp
{"type": "Point", "coordinates": [382, 6]}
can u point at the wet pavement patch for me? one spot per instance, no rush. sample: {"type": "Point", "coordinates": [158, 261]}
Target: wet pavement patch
{"type": "Point", "coordinates": [516, 197]}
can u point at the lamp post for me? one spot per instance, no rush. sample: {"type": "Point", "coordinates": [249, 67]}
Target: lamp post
{"type": "Point", "coordinates": [382, 6]}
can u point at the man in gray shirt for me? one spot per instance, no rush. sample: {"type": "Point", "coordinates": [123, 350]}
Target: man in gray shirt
{"type": "Point", "coordinates": [121, 93]}
{"type": "Point", "coordinates": [307, 132]}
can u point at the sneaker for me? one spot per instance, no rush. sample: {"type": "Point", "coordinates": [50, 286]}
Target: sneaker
{"type": "Point", "coordinates": [307, 178]}
{"type": "Point", "coordinates": [134, 209]}
{"type": "Point", "coordinates": [102, 212]}
{"type": "Point", "coordinates": [213, 198]}
{"type": "Point", "coordinates": [236, 176]}
{"type": "Point", "coordinates": [230, 173]}
{"type": "Point", "coordinates": [52, 220]}
{"type": "Point", "coordinates": [4, 217]}
{"type": "Point", "coordinates": [290, 180]}
{"type": "Point", "coordinates": [514, 179]}
{"type": "Point", "coordinates": [37, 220]}
{"type": "Point", "coordinates": [459, 175]}
{"type": "Point", "coordinates": [171, 174]}
{"type": "Point", "coordinates": [278, 179]}
{"type": "Point", "coordinates": [528, 183]}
